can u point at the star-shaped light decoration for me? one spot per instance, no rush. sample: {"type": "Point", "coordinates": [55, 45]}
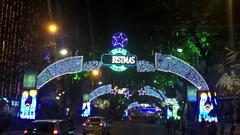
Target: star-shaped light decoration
{"type": "Point", "coordinates": [113, 91]}
{"type": "Point", "coordinates": [141, 92]}
{"type": "Point", "coordinates": [127, 95]}
{"type": "Point", "coordinates": [119, 40]}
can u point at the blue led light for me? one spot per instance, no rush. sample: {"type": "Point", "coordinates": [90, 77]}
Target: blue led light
{"type": "Point", "coordinates": [145, 66]}
{"type": "Point", "coordinates": [205, 106]}
{"type": "Point", "coordinates": [168, 63]}
{"type": "Point", "coordinates": [106, 89]}
{"type": "Point", "coordinates": [151, 91]}
{"type": "Point", "coordinates": [86, 108]}
{"type": "Point", "coordinates": [92, 65]}
{"type": "Point", "coordinates": [132, 105]}
{"type": "Point", "coordinates": [28, 109]}
{"type": "Point", "coordinates": [68, 65]}
{"type": "Point", "coordinates": [119, 39]}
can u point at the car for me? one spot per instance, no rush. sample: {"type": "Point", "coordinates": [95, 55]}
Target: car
{"type": "Point", "coordinates": [96, 125]}
{"type": "Point", "coordinates": [50, 127]}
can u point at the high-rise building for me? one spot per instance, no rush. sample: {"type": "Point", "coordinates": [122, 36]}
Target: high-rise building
{"type": "Point", "coordinates": [19, 45]}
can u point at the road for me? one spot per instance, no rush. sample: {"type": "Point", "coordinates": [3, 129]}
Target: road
{"type": "Point", "coordinates": [127, 128]}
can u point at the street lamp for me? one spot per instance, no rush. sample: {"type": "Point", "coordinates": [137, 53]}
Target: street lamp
{"type": "Point", "coordinates": [63, 52]}
{"type": "Point", "coordinates": [180, 50]}
{"type": "Point", "coordinates": [57, 97]}
{"type": "Point", "coordinates": [100, 82]}
{"type": "Point", "coordinates": [52, 28]}
{"type": "Point", "coordinates": [95, 72]}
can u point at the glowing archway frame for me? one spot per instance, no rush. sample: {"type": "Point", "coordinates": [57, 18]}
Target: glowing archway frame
{"type": "Point", "coordinates": [168, 63]}
{"type": "Point", "coordinates": [91, 65]}
{"type": "Point", "coordinates": [132, 105]}
{"type": "Point", "coordinates": [106, 89]}
{"type": "Point", "coordinates": [151, 91]}
{"type": "Point", "coordinates": [65, 66]}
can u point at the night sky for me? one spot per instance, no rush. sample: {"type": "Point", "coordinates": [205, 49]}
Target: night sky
{"type": "Point", "coordinates": [90, 24]}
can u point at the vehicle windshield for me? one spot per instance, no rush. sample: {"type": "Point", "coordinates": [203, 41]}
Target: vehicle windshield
{"type": "Point", "coordinates": [94, 120]}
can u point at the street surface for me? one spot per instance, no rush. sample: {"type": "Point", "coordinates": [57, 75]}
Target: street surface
{"type": "Point", "coordinates": [124, 128]}
{"type": "Point", "coordinates": [127, 128]}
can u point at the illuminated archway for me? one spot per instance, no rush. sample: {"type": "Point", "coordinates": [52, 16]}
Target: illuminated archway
{"type": "Point", "coordinates": [70, 65]}
{"type": "Point", "coordinates": [163, 63]}
{"type": "Point", "coordinates": [168, 63]}
{"type": "Point", "coordinates": [103, 90]}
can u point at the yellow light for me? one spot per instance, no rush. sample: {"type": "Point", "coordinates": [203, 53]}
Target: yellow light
{"type": "Point", "coordinates": [203, 95]}
{"type": "Point", "coordinates": [64, 52]}
{"type": "Point", "coordinates": [33, 93]}
{"type": "Point", "coordinates": [25, 94]}
{"type": "Point", "coordinates": [52, 28]}
{"type": "Point", "coordinates": [95, 72]}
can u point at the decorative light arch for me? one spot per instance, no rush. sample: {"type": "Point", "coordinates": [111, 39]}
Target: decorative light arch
{"type": "Point", "coordinates": [163, 62]}
{"type": "Point", "coordinates": [151, 91]}
{"type": "Point", "coordinates": [106, 89]}
{"type": "Point", "coordinates": [65, 66]}
{"type": "Point", "coordinates": [168, 63]}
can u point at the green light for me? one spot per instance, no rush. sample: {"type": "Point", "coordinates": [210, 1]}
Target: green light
{"type": "Point", "coordinates": [77, 77]}
{"type": "Point", "coordinates": [119, 51]}
{"type": "Point", "coordinates": [118, 68]}
{"type": "Point", "coordinates": [29, 80]}
{"type": "Point", "coordinates": [122, 52]}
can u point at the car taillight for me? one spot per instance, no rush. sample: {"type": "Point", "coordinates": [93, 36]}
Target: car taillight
{"type": "Point", "coordinates": [25, 131]}
{"type": "Point", "coordinates": [101, 124]}
{"type": "Point", "coordinates": [84, 124]}
{"type": "Point", "coordinates": [55, 131]}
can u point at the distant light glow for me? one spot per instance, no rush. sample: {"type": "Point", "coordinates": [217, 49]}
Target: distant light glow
{"type": "Point", "coordinates": [63, 52]}
{"type": "Point", "coordinates": [86, 108]}
{"type": "Point", "coordinates": [95, 72]}
{"type": "Point", "coordinates": [180, 50]}
{"type": "Point", "coordinates": [52, 28]}
{"type": "Point", "coordinates": [57, 97]}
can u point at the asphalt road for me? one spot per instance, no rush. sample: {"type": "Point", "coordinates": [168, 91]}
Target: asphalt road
{"type": "Point", "coordinates": [128, 128]}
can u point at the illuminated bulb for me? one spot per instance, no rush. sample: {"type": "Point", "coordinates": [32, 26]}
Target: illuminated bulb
{"type": "Point", "coordinates": [33, 93]}
{"type": "Point", "coordinates": [25, 94]}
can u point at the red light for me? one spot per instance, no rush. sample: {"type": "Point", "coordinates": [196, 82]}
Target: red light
{"type": "Point", "coordinates": [84, 124]}
{"type": "Point", "coordinates": [101, 124]}
{"type": "Point", "coordinates": [55, 131]}
{"type": "Point", "coordinates": [25, 132]}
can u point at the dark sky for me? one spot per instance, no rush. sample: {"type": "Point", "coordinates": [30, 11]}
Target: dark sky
{"type": "Point", "coordinates": [90, 24]}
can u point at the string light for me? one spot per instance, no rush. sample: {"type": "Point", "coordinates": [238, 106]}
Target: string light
{"type": "Point", "coordinates": [145, 66]}
{"type": "Point", "coordinates": [106, 89]}
{"type": "Point", "coordinates": [92, 65]}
